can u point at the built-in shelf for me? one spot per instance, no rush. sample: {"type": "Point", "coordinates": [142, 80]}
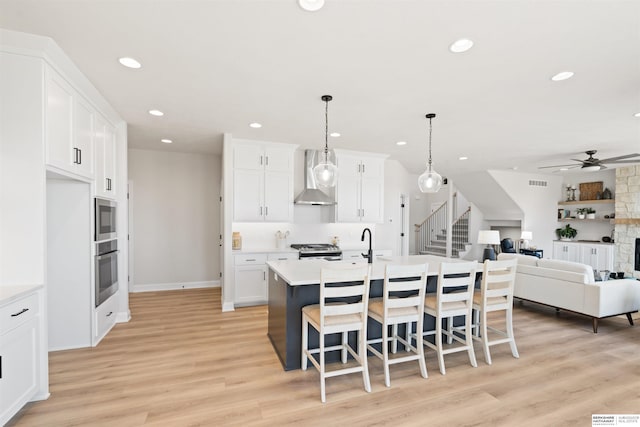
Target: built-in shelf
{"type": "Point", "coordinates": [610, 221]}
{"type": "Point", "coordinates": [587, 202]}
{"type": "Point", "coordinates": [627, 221]}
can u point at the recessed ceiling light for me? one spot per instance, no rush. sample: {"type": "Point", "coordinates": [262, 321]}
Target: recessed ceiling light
{"type": "Point", "coordinates": [311, 5]}
{"type": "Point", "coordinates": [515, 168]}
{"type": "Point", "coordinates": [157, 113]}
{"type": "Point", "coordinates": [564, 169]}
{"type": "Point", "coordinates": [401, 143]}
{"type": "Point", "coordinates": [255, 125]}
{"type": "Point", "coordinates": [334, 134]}
{"type": "Point", "coordinates": [461, 45]}
{"type": "Point", "coordinates": [564, 75]}
{"type": "Point", "coordinates": [462, 158]}
{"type": "Point", "coordinates": [636, 115]}
{"type": "Point", "coordinates": [166, 141]}
{"type": "Point", "coordinates": [129, 62]}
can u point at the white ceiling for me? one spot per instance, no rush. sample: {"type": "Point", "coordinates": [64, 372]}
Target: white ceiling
{"type": "Point", "coordinates": [215, 66]}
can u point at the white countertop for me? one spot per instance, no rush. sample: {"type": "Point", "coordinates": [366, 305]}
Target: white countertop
{"type": "Point", "coordinates": [14, 292]}
{"type": "Point", "coordinates": [307, 272]}
{"type": "Point", "coordinates": [265, 251]}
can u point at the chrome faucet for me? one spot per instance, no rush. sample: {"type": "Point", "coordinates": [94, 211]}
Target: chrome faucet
{"type": "Point", "coordinates": [369, 254]}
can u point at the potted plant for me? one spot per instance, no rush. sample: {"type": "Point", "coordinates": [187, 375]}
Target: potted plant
{"type": "Point", "coordinates": [591, 213]}
{"type": "Point", "coordinates": [567, 232]}
{"type": "Point", "coordinates": [581, 212]}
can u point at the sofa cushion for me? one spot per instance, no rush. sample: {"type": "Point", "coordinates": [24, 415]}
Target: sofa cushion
{"type": "Point", "coordinates": [522, 259]}
{"type": "Point", "coordinates": [574, 267]}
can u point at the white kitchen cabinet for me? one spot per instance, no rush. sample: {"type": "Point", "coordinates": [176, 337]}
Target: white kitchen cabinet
{"type": "Point", "coordinates": [250, 279]}
{"type": "Point", "coordinates": [69, 127]}
{"type": "Point", "coordinates": [105, 318]}
{"type": "Point", "coordinates": [105, 158]}
{"type": "Point", "coordinates": [19, 354]}
{"type": "Point", "coordinates": [360, 188]}
{"type": "Point", "coordinates": [600, 257]}
{"type": "Point", "coordinates": [566, 251]}
{"type": "Point", "coordinates": [263, 182]}
{"type": "Point", "coordinates": [356, 256]}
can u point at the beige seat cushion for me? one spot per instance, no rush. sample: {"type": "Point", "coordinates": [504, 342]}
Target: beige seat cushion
{"type": "Point", "coordinates": [313, 312]}
{"type": "Point", "coordinates": [376, 307]}
{"type": "Point", "coordinates": [477, 299]}
{"type": "Point", "coordinates": [431, 302]}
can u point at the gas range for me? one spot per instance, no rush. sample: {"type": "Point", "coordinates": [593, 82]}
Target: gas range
{"type": "Point", "coordinates": [325, 251]}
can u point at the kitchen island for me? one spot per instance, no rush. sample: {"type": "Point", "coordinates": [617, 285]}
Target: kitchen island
{"type": "Point", "coordinates": [295, 284]}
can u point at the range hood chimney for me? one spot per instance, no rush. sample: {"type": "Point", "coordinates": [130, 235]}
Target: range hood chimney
{"type": "Point", "coordinates": [311, 195]}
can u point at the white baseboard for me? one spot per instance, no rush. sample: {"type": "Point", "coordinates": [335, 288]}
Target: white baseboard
{"type": "Point", "coordinates": [153, 287]}
{"type": "Point", "coordinates": [123, 316]}
{"type": "Point", "coordinates": [227, 306]}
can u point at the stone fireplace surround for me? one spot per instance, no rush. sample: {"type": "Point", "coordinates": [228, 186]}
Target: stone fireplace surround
{"type": "Point", "coordinates": [627, 221]}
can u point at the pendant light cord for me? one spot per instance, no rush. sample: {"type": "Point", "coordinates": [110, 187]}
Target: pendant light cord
{"type": "Point", "coordinates": [430, 130]}
{"type": "Point", "coordinates": [326, 131]}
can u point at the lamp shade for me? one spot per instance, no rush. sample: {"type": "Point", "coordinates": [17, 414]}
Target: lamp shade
{"type": "Point", "coordinates": [526, 235]}
{"type": "Point", "coordinates": [489, 237]}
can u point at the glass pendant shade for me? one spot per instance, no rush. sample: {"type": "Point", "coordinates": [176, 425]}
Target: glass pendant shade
{"type": "Point", "coordinates": [325, 173]}
{"type": "Point", "coordinates": [430, 181]}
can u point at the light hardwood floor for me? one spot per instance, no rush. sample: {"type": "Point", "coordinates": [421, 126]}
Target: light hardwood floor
{"type": "Point", "coordinates": [180, 361]}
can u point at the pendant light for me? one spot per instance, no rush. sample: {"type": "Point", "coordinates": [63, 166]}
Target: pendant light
{"type": "Point", "coordinates": [325, 172]}
{"type": "Point", "coordinates": [430, 181]}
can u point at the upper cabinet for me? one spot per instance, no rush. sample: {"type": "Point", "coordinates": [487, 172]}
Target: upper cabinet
{"type": "Point", "coordinates": [263, 182]}
{"type": "Point", "coordinates": [360, 188]}
{"type": "Point", "coordinates": [105, 158]}
{"type": "Point", "coordinates": [69, 127]}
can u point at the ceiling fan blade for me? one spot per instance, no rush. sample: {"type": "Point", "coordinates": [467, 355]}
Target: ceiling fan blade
{"type": "Point", "coordinates": [614, 159]}
{"type": "Point", "coordinates": [582, 161]}
{"type": "Point", "coordinates": [623, 161]}
{"type": "Point", "coordinates": [558, 166]}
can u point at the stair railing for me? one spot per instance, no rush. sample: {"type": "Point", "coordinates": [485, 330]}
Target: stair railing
{"type": "Point", "coordinates": [427, 230]}
{"type": "Point", "coordinates": [460, 229]}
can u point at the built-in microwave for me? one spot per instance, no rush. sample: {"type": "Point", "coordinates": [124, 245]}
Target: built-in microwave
{"type": "Point", "coordinates": [105, 220]}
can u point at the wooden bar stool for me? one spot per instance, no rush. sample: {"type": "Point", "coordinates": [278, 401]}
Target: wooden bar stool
{"type": "Point", "coordinates": [496, 294]}
{"type": "Point", "coordinates": [344, 296]}
{"type": "Point", "coordinates": [454, 297]}
{"type": "Point", "coordinates": [402, 302]}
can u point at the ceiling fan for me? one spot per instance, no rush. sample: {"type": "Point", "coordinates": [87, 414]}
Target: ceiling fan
{"type": "Point", "coordinates": [593, 164]}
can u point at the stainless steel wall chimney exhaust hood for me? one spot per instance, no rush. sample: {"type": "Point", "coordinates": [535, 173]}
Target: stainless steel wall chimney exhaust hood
{"type": "Point", "coordinates": [311, 195]}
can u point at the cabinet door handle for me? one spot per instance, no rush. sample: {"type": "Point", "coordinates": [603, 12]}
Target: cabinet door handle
{"type": "Point", "coordinates": [363, 213]}
{"type": "Point", "coordinates": [266, 160]}
{"type": "Point", "coordinates": [282, 259]}
{"type": "Point", "coordinates": [363, 168]}
{"type": "Point", "coordinates": [358, 168]}
{"type": "Point", "coordinates": [260, 210]}
{"type": "Point", "coordinates": [24, 310]}
{"type": "Point", "coordinates": [251, 259]}
{"type": "Point", "coordinates": [266, 210]}
{"type": "Point", "coordinates": [79, 156]}
{"type": "Point", "coordinates": [260, 160]}
{"type": "Point", "coordinates": [264, 275]}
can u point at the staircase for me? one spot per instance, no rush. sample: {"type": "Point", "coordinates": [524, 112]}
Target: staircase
{"type": "Point", "coordinates": [431, 234]}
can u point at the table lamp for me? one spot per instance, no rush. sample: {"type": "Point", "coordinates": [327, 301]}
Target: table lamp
{"type": "Point", "coordinates": [489, 237]}
{"type": "Point", "coordinates": [525, 237]}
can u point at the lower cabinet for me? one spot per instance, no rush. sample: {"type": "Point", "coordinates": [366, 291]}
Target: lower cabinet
{"type": "Point", "coordinates": [356, 256]}
{"type": "Point", "coordinates": [598, 256]}
{"type": "Point", "coordinates": [250, 271]}
{"type": "Point", "coordinates": [105, 318]}
{"type": "Point", "coordinates": [19, 354]}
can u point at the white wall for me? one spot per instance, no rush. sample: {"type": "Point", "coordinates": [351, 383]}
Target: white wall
{"type": "Point", "coordinates": [176, 219]}
{"type": "Point", "coordinates": [538, 203]}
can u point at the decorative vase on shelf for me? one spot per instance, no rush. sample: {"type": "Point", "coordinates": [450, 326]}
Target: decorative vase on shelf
{"type": "Point", "coordinates": [591, 216]}
{"type": "Point", "coordinates": [581, 216]}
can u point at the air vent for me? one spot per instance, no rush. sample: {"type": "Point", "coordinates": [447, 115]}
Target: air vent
{"type": "Point", "coordinates": [537, 183]}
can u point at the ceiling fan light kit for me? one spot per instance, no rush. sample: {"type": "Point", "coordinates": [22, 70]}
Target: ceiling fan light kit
{"type": "Point", "coordinates": [430, 181]}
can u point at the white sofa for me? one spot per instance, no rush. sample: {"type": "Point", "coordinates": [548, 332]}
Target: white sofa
{"type": "Point", "coordinates": [571, 286]}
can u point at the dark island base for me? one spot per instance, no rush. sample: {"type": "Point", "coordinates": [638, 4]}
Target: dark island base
{"type": "Point", "coordinates": [285, 319]}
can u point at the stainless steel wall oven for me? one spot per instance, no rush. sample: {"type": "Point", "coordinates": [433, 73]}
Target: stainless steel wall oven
{"type": "Point", "coordinates": [106, 266]}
